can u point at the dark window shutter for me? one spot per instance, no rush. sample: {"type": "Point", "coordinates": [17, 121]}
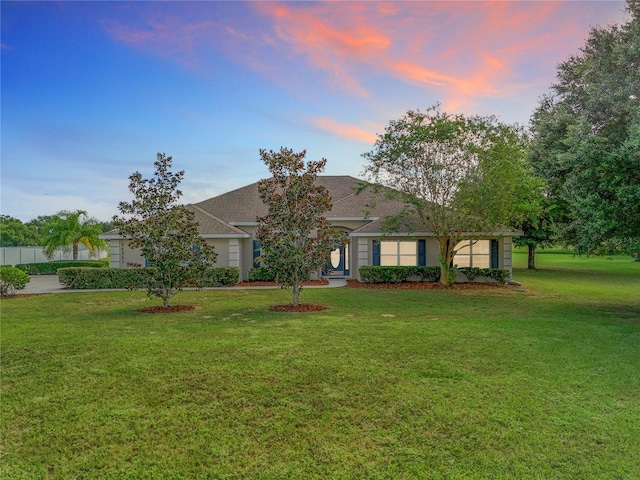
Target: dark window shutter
{"type": "Point", "coordinates": [495, 259]}
{"type": "Point", "coordinates": [422, 252]}
{"type": "Point", "coordinates": [376, 252]}
{"type": "Point", "coordinates": [256, 253]}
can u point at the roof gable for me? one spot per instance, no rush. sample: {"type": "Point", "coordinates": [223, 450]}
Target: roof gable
{"type": "Point", "coordinates": [244, 204]}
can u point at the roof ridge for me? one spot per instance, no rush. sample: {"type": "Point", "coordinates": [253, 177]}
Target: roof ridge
{"type": "Point", "coordinates": [343, 198]}
{"type": "Point", "coordinates": [217, 219]}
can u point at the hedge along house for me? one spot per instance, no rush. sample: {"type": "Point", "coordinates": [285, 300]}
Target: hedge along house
{"type": "Point", "coordinates": [228, 222]}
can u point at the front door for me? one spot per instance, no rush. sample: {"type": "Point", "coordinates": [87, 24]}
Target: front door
{"type": "Point", "coordinates": [338, 265]}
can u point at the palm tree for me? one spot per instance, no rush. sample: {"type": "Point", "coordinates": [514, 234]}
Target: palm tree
{"type": "Point", "coordinates": [73, 228]}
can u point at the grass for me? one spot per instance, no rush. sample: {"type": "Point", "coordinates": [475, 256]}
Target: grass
{"type": "Point", "coordinates": [537, 383]}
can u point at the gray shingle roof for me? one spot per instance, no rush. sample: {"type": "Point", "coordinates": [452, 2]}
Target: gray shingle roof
{"type": "Point", "coordinates": [244, 204]}
{"type": "Point", "coordinates": [224, 215]}
{"type": "Point", "coordinates": [210, 224]}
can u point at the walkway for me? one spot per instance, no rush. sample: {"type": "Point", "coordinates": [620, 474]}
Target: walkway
{"type": "Point", "coordinates": [50, 284]}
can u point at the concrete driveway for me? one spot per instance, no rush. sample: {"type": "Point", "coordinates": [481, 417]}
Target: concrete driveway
{"type": "Point", "coordinates": [43, 284]}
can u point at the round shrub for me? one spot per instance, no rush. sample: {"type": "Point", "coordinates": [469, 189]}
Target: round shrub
{"type": "Point", "coordinates": [11, 279]}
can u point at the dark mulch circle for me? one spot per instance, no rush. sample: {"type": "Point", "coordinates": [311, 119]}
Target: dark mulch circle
{"type": "Point", "coordinates": [275, 284]}
{"type": "Point", "coordinates": [23, 295]}
{"type": "Point", "coordinates": [426, 286]}
{"type": "Point", "coordinates": [169, 309]}
{"type": "Point", "coordinates": [302, 307]}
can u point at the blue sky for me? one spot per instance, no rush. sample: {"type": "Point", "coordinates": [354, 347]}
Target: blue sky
{"type": "Point", "coordinates": [91, 91]}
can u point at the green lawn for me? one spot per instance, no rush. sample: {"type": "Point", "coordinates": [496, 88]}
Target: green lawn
{"type": "Point", "coordinates": [543, 382]}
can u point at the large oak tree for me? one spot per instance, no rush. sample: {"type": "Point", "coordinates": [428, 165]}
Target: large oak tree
{"type": "Point", "coordinates": [586, 140]}
{"type": "Point", "coordinates": [459, 177]}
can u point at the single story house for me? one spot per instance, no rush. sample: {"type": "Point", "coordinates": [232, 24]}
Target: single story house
{"type": "Point", "coordinates": [228, 222]}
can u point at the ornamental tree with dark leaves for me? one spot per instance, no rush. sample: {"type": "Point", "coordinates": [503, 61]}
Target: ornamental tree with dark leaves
{"type": "Point", "coordinates": [165, 231]}
{"type": "Point", "coordinates": [295, 236]}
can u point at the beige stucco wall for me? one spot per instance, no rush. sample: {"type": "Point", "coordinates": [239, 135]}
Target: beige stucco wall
{"type": "Point", "coordinates": [245, 255]}
{"type": "Point", "coordinates": [221, 247]}
{"type": "Point", "coordinates": [128, 257]}
{"type": "Point", "coordinates": [123, 256]}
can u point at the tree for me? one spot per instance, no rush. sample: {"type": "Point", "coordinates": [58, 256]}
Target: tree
{"type": "Point", "coordinates": [586, 140]}
{"type": "Point", "coordinates": [107, 226]}
{"type": "Point", "coordinates": [71, 229]}
{"type": "Point", "coordinates": [295, 236]}
{"type": "Point", "coordinates": [165, 231]}
{"type": "Point", "coordinates": [459, 177]}
{"type": "Point", "coordinates": [538, 230]}
{"type": "Point", "coordinates": [42, 225]}
{"type": "Point", "coordinates": [14, 233]}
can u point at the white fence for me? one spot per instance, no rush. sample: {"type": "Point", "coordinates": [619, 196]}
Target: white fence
{"type": "Point", "coordinates": [15, 255]}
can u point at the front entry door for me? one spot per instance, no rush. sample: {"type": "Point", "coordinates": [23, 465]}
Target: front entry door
{"type": "Point", "coordinates": [338, 265]}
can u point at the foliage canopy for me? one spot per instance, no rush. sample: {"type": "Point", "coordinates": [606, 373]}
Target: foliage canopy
{"type": "Point", "coordinates": [165, 231]}
{"type": "Point", "coordinates": [295, 236]}
{"type": "Point", "coordinates": [71, 229]}
{"type": "Point", "coordinates": [586, 141]}
{"type": "Point", "coordinates": [14, 233]}
{"type": "Point", "coordinates": [459, 177]}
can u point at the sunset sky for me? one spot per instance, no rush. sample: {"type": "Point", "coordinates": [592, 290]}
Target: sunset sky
{"type": "Point", "coordinates": [91, 91]}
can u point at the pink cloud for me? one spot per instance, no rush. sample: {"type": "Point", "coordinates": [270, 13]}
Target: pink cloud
{"type": "Point", "coordinates": [169, 37]}
{"type": "Point", "coordinates": [406, 41]}
{"type": "Point", "coordinates": [344, 130]}
{"type": "Point", "coordinates": [459, 52]}
{"type": "Point", "coordinates": [317, 34]}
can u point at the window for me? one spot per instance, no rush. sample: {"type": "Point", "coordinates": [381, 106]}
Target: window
{"type": "Point", "coordinates": [398, 253]}
{"type": "Point", "coordinates": [256, 254]}
{"type": "Point", "coordinates": [477, 253]}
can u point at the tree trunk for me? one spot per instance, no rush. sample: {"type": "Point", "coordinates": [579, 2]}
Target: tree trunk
{"type": "Point", "coordinates": [446, 258]}
{"type": "Point", "coordinates": [444, 274]}
{"type": "Point", "coordinates": [296, 294]}
{"type": "Point", "coordinates": [531, 262]}
{"type": "Point", "coordinates": [75, 251]}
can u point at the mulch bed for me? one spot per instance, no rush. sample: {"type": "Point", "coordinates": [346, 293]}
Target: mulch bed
{"type": "Point", "coordinates": [23, 295]}
{"type": "Point", "coordinates": [275, 284]}
{"type": "Point", "coordinates": [302, 307]}
{"type": "Point", "coordinates": [426, 286]}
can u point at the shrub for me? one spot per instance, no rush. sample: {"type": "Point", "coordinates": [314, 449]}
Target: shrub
{"type": "Point", "coordinates": [377, 274]}
{"type": "Point", "coordinates": [219, 276]}
{"type": "Point", "coordinates": [97, 278]}
{"type": "Point", "coordinates": [51, 268]}
{"type": "Point", "coordinates": [262, 274]}
{"type": "Point", "coordinates": [134, 278]}
{"type": "Point", "coordinates": [12, 279]}
{"type": "Point", "coordinates": [494, 275]}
